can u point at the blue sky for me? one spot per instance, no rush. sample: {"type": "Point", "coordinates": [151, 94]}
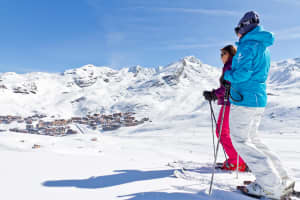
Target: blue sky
{"type": "Point", "coordinates": [54, 35]}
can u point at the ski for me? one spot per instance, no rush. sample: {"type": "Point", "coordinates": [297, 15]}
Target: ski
{"type": "Point", "coordinates": [296, 194]}
{"type": "Point", "coordinates": [247, 182]}
{"type": "Point", "coordinates": [187, 164]}
{"type": "Point", "coordinates": [191, 166]}
{"type": "Point", "coordinates": [220, 167]}
{"type": "Point", "coordinates": [183, 174]}
{"type": "Point", "coordinates": [179, 174]}
{"type": "Point", "coordinates": [243, 190]}
{"type": "Point", "coordinates": [194, 176]}
{"type": "Point", "coordinates": [188, 175]}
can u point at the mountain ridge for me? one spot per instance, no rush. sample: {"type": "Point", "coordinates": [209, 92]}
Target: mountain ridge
{"type": "Point", "coordinates": [162, 92]}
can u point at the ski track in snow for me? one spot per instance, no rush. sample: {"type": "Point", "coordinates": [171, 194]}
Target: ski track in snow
{"type": "Point", "coordinates": [135, 163]}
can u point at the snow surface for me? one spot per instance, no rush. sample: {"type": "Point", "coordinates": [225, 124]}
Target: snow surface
{"type": "Point", "coordinates": [132, 163]}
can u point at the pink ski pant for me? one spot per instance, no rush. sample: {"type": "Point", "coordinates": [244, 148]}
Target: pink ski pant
{"type": "Point", "coordinates": [226, 139]}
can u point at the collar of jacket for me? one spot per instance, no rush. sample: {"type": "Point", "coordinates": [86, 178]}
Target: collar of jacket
{"type": "Point", "coordinates": [227, 65]}
{"type": "Point", "coordinates": [258, 34]}
{"type": "Point", "coordinates": [241, 39]}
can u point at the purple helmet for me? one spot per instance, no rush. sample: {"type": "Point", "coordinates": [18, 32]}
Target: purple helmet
{"type": "Point", "coordinates": [248, 22]}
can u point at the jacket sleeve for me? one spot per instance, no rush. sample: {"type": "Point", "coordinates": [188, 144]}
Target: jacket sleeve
{"type": "Point", "coordinates": [242, 70]}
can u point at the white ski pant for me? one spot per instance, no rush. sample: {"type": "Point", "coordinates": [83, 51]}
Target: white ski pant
{"type": "Point", "coordinates": [264, 164]}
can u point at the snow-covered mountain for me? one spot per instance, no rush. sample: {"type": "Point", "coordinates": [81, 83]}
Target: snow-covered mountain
{"type": "Point", "coordinates": [102, 89]}
{"type": "Point", "coordinates": [284, 96]}
{"type": "Point", "coordinates": [172, 92]}
{"type": "Point", "coordinates": [286, 73]}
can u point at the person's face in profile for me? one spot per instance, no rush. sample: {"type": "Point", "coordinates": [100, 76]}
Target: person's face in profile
{"type": "Point", "coordinates": [224, 56]}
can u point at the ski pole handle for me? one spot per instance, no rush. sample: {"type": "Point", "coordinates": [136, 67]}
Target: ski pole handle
{"type": "Point", "coordinates": [227, 93]}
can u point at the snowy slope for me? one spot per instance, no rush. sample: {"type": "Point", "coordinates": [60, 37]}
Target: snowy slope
{"type": "Point", "coordinates": [284, 96]}
{"type": "Point", "coordinates": [132, 163]}
{"type": "Point", "coordinates": [285, 73]}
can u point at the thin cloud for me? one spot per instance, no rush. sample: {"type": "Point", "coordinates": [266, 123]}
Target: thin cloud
{"type": "Point", "coordinates": [114, 38]}
{"type": "Point", "coordinates": [199, 46]}
{"type": "Point", "coordinates": [190, 46]}
{"type": "Point", "coordinates": [288, 34]}
{"type": "Point", "coordinates": [294, 2]}
{"type": "Point", "coordinates": [214, 12]}
{"type": "Point", "coordinates": [23, 70]}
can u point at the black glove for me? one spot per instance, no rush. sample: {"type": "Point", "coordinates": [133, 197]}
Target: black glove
{"type": "Point", "coordinates": [224, 82]}
{"type": "Point", "coordinates": [209, 96]}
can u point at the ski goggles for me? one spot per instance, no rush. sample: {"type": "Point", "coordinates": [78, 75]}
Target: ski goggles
{"type": "Point", "coordinates": [237, 29]}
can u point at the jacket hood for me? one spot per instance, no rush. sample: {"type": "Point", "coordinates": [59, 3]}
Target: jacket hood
{"type": "Point", "coordinates": [260, 35]}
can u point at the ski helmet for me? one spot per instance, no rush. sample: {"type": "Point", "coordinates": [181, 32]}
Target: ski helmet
{"type": "Point", "coordinates": [248, 22]}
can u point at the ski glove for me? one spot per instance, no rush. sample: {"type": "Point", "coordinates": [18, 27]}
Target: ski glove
{"type": "Point", "coordinates": [224, 82]}
{"type": "Point", "coordinates": [209, 96]}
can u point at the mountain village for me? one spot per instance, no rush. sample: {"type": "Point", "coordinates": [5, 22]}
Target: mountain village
{"type": "Point", "coordinates": [61, 127]}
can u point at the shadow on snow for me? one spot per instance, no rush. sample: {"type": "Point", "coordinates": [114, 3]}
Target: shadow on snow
{"type": "Point", "coordinates": [216, 195]}
{"type": "Point", "coordinates": [123, 177]}
{"type": "Point", "coordinates": [128, 176]}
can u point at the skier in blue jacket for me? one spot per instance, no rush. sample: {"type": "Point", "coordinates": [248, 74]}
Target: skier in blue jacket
{"type": "Point", "coordinates": [250, 67]}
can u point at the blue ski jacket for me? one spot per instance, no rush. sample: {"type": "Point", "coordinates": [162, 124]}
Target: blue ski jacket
{"type": "Point", "coordinates": [250, 68]}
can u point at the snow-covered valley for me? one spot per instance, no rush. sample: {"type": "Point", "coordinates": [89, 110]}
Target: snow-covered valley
{"type": "Point", "coordinates": [132, 162]}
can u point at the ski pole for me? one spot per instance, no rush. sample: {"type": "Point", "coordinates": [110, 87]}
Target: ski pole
{"type": "Point", "coordinates": [212, 127]}
{"type": "Point", "coordinates": [213, 119]}
{"type": "Point", "coordinates": [237, 168]}
{"type": "Point", "coordinates": [226, 98]}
